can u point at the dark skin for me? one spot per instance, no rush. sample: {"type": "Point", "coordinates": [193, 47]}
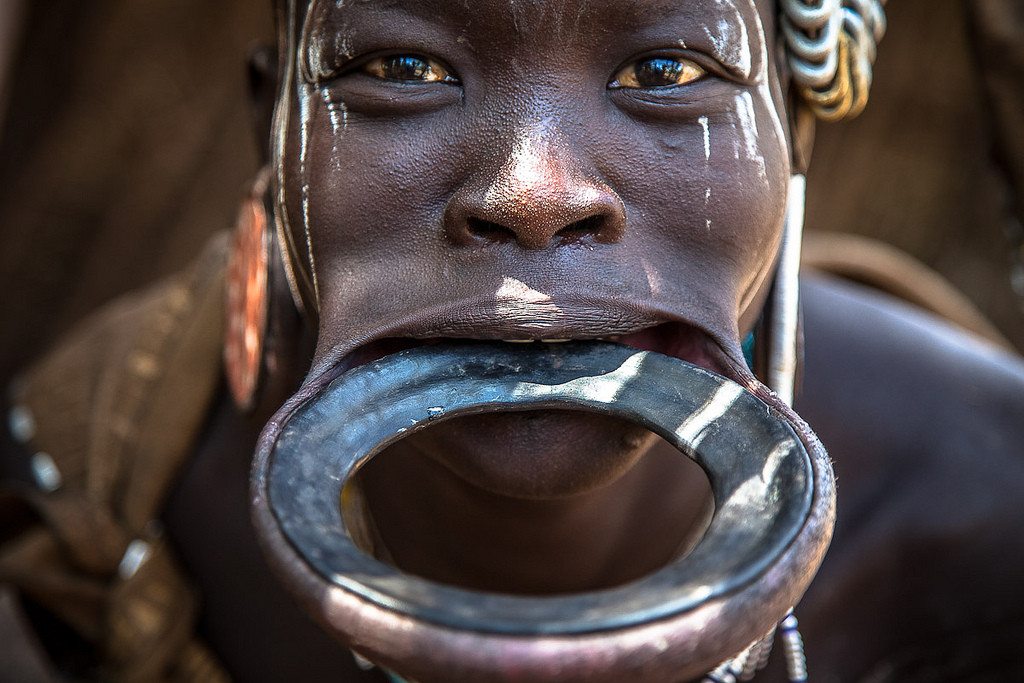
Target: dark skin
{"type": "Point", "coordinates": [542, 198]}
{"type": "Point", "coordinates": [554, 182]}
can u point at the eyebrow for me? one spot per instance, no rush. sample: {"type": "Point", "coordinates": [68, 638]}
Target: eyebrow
{"type": "Point", "coordinates": [716, 26]}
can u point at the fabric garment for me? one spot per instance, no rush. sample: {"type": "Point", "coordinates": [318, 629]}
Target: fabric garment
{"type": "Point", "coordinates": [116, 408]}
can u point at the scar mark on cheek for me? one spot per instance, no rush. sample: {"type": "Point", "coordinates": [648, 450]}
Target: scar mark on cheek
{"type": "Point", "coordinates": [707, 202]}
{"type": "Point", "coordinates": [703, 120]}
{"type": "Point", "coordinates": [338, 113]}
{"type": "Point", "coordinates": [764, 90]}
{"type": "Point", "coordinates": [707, 137]}
{"type": "Point", "coordinates": [748, 132]}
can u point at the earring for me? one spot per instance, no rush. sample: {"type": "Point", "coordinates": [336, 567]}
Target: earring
{"type": "Point", "coordinates": [784, 310]}
{"type": "Point", "coordinates": [247, 296]}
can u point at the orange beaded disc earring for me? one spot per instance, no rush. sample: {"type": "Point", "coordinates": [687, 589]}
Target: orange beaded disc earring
{"type": "Point", "coordinates": [247, 300]}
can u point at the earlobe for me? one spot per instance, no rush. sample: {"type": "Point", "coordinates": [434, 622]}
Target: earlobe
{"type": "Point", "coordinates": [263, 81]}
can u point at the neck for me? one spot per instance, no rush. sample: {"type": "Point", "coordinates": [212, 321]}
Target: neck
{"type": "Point", "coordinates": [434, 524]}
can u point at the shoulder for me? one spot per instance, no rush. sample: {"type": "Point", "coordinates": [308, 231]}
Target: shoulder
{"type": "Point", "coordinates": [925, 425]}
{"type": "Point", "coordinates": [874, 361]}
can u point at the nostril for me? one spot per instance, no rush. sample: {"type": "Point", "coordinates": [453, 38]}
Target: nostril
{"type": "Point", "coordinates": [489, 231]}
{"type": "Point", "coordinates": [591, 226]}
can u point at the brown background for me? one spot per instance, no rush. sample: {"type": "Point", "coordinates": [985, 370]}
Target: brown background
{"type": "Point", "coordinates": [128, 140]}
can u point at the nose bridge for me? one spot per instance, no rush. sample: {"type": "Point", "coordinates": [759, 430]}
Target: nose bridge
{"type": "Point", "coordinates": [538, 165]}
{"type": "Point", "coordinates": [539, 188]}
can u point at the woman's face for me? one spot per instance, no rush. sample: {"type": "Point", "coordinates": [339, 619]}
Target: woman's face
{"type": "Point", "coordinates": [533, 169]}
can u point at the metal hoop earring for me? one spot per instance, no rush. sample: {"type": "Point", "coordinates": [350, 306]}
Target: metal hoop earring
{"type": "Point", "coordinates": [784, 311]}
{"type": "Point", "coordinates": [247, 296]}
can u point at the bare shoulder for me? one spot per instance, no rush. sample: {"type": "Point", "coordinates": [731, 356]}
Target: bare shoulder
{"type": "Point", "coordinates": [903, 400]}
{"type": "Point", "coordinates": [925, 425]}
{"type": "Point", "coordinates": [893, 373]}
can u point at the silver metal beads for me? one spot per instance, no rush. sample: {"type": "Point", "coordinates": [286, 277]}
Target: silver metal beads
{"type": "Point", "coordinates": [831, 47]}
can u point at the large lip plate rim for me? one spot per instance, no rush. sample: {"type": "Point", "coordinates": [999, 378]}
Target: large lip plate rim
{"type": "Point", "coordinates": [553, 609]}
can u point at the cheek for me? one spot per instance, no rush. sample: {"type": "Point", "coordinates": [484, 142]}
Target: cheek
{"type": "Point", "coordinates": [370, 196]}
{"type": "Point", "coordinates": [374, 188]}
{"type": "Point", "coordinates": [367, 197]}
{"type": "Point", "coordinates": [709, 194]}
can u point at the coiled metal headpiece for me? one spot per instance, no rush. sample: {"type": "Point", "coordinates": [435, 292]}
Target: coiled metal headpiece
{"type": "Point", "coordinates": [831, 47]}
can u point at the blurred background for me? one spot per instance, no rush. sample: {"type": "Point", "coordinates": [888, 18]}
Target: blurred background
{"type": "Point", "coordinates": [127, 139]}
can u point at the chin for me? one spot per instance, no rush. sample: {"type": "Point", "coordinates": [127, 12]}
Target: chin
{"type": "Point", "coordinates": [537, 454]}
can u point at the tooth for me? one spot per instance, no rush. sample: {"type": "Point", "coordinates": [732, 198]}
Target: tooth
{"type": "Point", "coordinates": [555, 341]}
{"type": "Point", "coordinates": [518, 341]}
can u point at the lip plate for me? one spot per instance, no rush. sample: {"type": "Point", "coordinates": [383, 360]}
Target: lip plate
{"type": "Point", "coordinates": [758, 512]}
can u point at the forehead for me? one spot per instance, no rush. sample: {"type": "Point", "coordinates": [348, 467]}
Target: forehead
{"type": "Point", "coordinates": [730, 30]}
{"type": "Point", "coordinates": [524, 11]}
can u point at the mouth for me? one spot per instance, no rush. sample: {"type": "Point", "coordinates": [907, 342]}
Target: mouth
{"type": "Point", "coordinates": [676, 339]}
{"type": "Point", "coordinates": [498, 452]}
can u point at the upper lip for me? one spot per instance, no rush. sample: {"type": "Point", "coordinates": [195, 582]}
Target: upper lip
{"type": "Point", "coordinates": [524, 320]}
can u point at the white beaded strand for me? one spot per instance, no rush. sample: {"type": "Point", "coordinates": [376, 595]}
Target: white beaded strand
{"type": "Point", "coordinates": [793, 647]}
{"type": "Point", "coordinates": [759, 655]}
{"type": "Point", "coordinates": [831, 47]}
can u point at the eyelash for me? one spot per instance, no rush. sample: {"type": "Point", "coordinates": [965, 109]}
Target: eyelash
{"type": "Point", "coordinates": [430, 70]}
{"type": "Point", "coordinates": [421, 69]}
{"type": "Point", "coordinates": [628, 76]}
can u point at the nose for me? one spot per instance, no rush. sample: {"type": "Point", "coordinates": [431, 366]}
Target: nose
{"type": "Point", "coordinates": [538, 196]}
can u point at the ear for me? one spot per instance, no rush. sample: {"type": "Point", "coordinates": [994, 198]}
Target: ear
{"type": "Point", "coordinates": [263, 77]}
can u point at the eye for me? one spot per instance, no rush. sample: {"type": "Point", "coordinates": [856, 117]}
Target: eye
{"type": "Point", "coordinates": [409, 68]}
{"type": "Point", "coordinates": [657, 72]}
